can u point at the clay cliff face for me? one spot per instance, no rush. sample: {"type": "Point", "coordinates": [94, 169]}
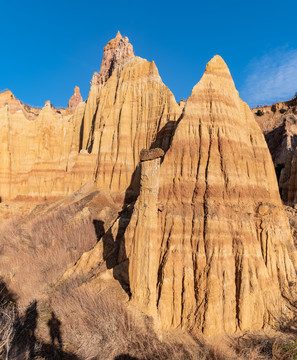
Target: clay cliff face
{"type": "Point", "coordinates": [143, 270]}
{"type": "Point", "coordinates": [225, 257]}
{"type": "Point", "coordinates": [207, 245]}
{"type": "Point", "coordinates": [34, 153]}
{"type": "Point", "coordinates": [129, 108]}
{"type": "Point", "coordinates": [115, 53]}
{"type": "Point", "coordinates": [282, 143]}
{"type": "Point", "coordinates": [292, 181]}
{"type": "Point", "coordinates": [278, 123]}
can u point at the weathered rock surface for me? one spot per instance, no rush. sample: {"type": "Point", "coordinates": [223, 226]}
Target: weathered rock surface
{"type": "Point", "coordinates": [134, 110]}
{"type": "Point", "coordinates": [143, 270]}
{"type": "Point", "coordinates": [278, 122]}
{"type": "Point", "coordinates": [34, 153]}
{"type": "Point", "coordinates": [55, 153]}
{"type": "Point", "coordinates": [75, 99]}
{"type": "Point", "coordinates": [207, 245]}
{"type": "Point", "coordinates": [66, 228]}
{"type": "Point", "coordinates": [116, 52]}
{"type": "Point", "coordinates": [225, 258]}
{"type": "Point", "coordinates": [282, 143]}
{"type": "Point", "coordinates": [270, 117]}
{"type": "Point", "coordinates": [151, 154]}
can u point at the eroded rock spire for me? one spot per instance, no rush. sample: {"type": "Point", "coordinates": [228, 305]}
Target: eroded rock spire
{"type": "Point", "coordinates": [117, 51]}
{"type": "Point", "coordinates": [75, 99]}
{"type": "Point", "coordinates": [226, 258]}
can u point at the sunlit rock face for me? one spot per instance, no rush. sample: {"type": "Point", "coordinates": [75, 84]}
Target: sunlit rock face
{"type": "Point", "coordinates": [51, 152]}
{"type": "Point", "coordinates": [225, 259]}
{"type": "Point", "coordinates": [207, 245]}
{"type": "Point", "coordinates": [75, 99]}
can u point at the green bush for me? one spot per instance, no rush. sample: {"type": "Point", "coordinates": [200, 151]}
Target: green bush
{"type": "Point", "coordinates": [260, 112]}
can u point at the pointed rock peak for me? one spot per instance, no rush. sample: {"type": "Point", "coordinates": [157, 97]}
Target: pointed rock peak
{"type": "Point", "coordinates": [47, 104]}
{"type": "Point", "coordinates": [75, 99]}
{"type": "Point", "coordinates": [118, 36]}
{"type": "Point", "coordinates": [6, 97]}
{"type": "Point", "coordinates": [116, 52]}
{"type": "Point", "coordinates": [217, 65]}
{"type": "Point", "coordinates": [218, 78]}
{"type": "Point", "coordinates": [7, 93]}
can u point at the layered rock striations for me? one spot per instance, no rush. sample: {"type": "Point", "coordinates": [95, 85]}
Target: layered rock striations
{"type": "Point", "coordinates": [129, 108]}
{"type": "Point", "coordinates": [143, 270]}
{"type": "Point", "coordinates": [34, 153]}
{"type": "Point", "coordinates": [136, 110]}
{"type": "Point", "coordinates": [207, 245]}
{"type": "Point", "coordinates": [225, 255]}
{"type": "Point", "coordinates": [115, 53]}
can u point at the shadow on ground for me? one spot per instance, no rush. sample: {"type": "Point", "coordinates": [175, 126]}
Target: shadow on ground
{"type": "Point", "coordinates": [22, 342]}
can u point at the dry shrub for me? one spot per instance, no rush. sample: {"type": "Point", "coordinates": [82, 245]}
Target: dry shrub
{"type": "Point", "coordinates": [37, 252]}
{"type": "Point", "coordinates": [96, 326]}
{"type": "Point", "coordinates": [8, 316]}
{"type": "Point", "coordinates": [265, 346]}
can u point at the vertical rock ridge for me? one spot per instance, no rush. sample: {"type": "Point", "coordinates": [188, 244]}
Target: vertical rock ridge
{"type": "Point", "coordinates": [143, 269]}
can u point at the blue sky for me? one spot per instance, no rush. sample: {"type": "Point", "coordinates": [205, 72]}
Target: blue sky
{"type": "Point", "coordinates": [49, 47]}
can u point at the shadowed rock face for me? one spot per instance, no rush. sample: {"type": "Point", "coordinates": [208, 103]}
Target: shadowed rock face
{"type": "Point", "coordinates": [279, 124]}
{"type": "Point", "coordinates": [225, 258]}
{"type": "Point", "coordinates": [282, 143]}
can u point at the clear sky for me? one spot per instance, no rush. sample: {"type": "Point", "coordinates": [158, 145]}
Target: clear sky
{"type": "Point", "coordinates": [49, 47]}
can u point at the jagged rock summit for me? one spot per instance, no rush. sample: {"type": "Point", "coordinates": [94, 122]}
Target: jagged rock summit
{"type": "Point", "coordinates": [75, 99]}
{"type": "Point", "coordinates": [117, 51]}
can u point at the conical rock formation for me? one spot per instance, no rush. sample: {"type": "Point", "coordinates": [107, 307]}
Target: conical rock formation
{"type": "Point", "coordinates": [226, 259]}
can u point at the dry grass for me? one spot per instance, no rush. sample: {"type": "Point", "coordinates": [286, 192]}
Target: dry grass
{"type": "Point", "coordinates": [35, 253]}
{"type": "Point", "coordinates": [264, 346]}
{"type": "Point", "coordinates": [95, 325]}
{"type": "Point", "coordinates": [8, 315]}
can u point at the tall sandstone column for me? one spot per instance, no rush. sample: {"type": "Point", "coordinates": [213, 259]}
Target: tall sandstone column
{"type": "Point", "coordinates": [144, 269]}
